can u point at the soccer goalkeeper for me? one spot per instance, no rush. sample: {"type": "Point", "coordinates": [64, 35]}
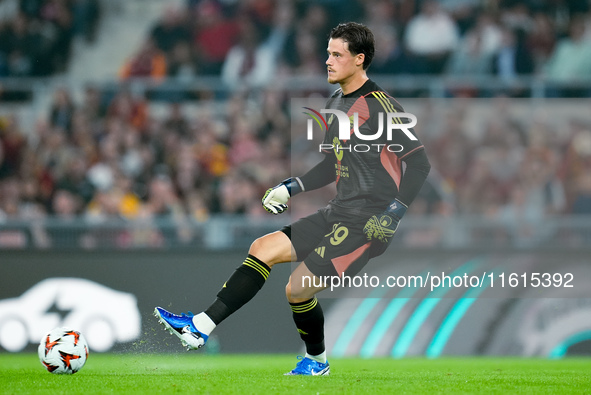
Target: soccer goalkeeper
{"type": "Point", "coordinates": [373, 194]}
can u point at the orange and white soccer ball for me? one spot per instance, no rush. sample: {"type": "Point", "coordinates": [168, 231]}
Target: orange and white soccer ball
{"type": "Point", "coordinates": [63, 351]}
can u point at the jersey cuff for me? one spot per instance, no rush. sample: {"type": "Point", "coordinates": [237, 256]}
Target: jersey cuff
{"type": "Point", "coordinates": [401, 202]}
{"type": "Point", "coordinates": [300, 183]}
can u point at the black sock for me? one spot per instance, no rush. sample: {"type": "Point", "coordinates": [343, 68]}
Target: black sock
{"type": "Point", "coordinates": [309, 320]}
{"type": "Point", "coordinates": [246, 281]}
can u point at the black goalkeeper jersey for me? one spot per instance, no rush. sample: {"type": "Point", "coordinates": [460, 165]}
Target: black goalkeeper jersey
{"type": "Point", "coordinates": [368, 173]}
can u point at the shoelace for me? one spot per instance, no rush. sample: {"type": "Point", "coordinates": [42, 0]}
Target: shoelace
{"type": "Point", "coordinates": [303, 363]}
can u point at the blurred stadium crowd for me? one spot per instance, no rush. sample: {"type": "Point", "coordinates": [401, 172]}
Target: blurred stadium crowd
{"type": "Point", "coordinates": [110, 155]}
{"type": "Point", "coordinates": [36, 35]}
{"type": "Point", "coordinates": [256, 41]}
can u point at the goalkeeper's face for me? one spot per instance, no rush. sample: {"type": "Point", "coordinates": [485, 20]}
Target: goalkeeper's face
{"type": "Point", "coordinates": [341, 64]}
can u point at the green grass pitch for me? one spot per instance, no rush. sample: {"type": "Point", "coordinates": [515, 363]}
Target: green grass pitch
{"type": "Point", "coordinates": [194, 373]}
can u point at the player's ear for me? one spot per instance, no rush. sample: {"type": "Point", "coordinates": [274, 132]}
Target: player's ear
{"type": "Point", "coordinates": [359, 59]}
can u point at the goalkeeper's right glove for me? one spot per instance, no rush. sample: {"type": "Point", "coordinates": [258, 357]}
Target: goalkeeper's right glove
{"type": "Point", "coordinates": [275, 199]}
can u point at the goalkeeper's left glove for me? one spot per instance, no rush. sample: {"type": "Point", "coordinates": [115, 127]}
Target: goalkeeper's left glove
{"type": "Point", "coordinates": [383, 226]}
{"type": "Point", "coordinates": [275, 199]}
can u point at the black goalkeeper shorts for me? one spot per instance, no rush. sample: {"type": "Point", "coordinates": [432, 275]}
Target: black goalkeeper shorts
{"type": "Point", "coordinates": [332, 248]}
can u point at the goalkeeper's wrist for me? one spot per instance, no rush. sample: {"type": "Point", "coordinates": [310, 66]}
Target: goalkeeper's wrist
{"type": "Point", "coordinates": [397, 208]}
{"type": "Point", "coordinates": [294, 185]}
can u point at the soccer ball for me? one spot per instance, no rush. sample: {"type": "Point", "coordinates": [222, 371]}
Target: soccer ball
{"type": "Point", "coordinates": [63, 351]}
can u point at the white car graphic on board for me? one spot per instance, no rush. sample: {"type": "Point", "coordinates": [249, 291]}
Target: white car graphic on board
{"type": "Point", "coordinates": [103, 315]}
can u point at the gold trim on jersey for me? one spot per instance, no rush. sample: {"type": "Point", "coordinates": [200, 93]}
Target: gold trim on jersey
{"type": "Point", "coordinates": [385, 102]}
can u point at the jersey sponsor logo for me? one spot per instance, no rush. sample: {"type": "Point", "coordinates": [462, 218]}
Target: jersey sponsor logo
{"type": "Point", "coordinates": [341, 170]}
{"type": "Point", "coordinates": [337, 147]}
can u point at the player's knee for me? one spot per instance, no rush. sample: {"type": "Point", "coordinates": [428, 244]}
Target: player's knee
{"type": "Point", "coordinates": [270, 250]}
{"type": "Point", "coordinates": [289, 293]}
{"type": "Point", "coordinates": [261, 249]}
{"type": "Point", "coordinates": [296, 294]}
{"type": "Point", "coordinates": [257, 246]}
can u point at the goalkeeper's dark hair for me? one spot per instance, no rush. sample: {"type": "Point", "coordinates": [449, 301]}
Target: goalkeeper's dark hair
{"type": "Point", "coordinates": [359, 38]}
